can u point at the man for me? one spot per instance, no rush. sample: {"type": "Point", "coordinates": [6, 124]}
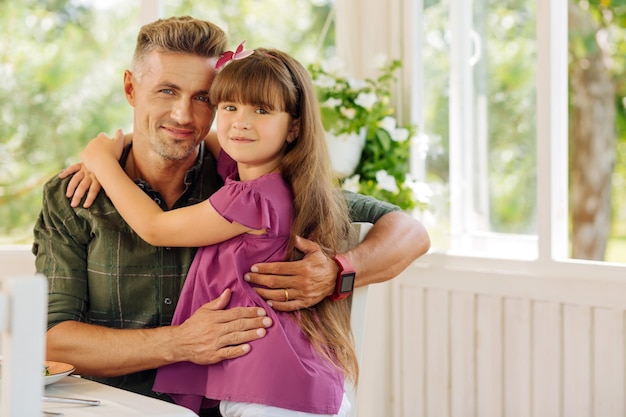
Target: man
{"type": "Point", "coordinates": [112, 296]}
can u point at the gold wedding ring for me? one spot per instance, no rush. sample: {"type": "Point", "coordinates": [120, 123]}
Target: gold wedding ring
{"type": "Point", "coordinates": [286, 294]}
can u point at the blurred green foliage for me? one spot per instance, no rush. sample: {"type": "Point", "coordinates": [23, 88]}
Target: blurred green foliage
{"type": "Point", "coordinates": [61, 66]}
{"type": "Point", "coordinates": [293, 26]}
{"type": "Point", "coordinates": [61, 70]}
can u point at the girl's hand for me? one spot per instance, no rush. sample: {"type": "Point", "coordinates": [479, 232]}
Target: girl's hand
{"type": "Point", "coordinates": [82, 183]}
{"type": "Point", "coordinates": [100, 148]}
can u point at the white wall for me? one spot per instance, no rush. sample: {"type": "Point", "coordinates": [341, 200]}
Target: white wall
{"type": "Point", "coordinates": [496, 338]}
{"type": "Point", "coordinates": [16, 260]}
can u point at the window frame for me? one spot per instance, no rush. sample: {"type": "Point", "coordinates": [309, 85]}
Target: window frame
{"type": "Point", "coordinates": [466, 236]}
{"type": "Point", "coordinates": [546, 253]}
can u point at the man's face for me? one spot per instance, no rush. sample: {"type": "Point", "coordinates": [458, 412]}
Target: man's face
{"type": "Point", "coordinates": [171, 101]}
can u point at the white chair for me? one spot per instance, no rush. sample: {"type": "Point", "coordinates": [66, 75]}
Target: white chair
{"type": "Point", "coordinates": [357, 315]}
{"type": "Point", "coordinates": [23, 306]}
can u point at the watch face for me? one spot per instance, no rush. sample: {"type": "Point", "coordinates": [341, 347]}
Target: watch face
{"type": "Point", "coordinates": [347, 282]}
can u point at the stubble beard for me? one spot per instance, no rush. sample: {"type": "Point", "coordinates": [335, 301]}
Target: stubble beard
{"type": "Point", "coordinates": [175, 150]}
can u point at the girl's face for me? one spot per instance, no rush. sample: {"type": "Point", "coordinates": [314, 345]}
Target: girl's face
{"type": "Point", "coordinates": [253, 136]}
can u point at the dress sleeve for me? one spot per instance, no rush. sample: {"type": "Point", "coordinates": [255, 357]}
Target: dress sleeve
{"type": "Point", "coordinates": [226, 166]}
{"type": "Point", "coordinates": [239, 202]}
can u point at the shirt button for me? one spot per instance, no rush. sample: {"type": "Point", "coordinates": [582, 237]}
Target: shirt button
{"type": "Point", "coordinates": [167, 300]}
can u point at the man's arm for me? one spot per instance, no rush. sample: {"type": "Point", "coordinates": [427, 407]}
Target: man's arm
{"type": "Point", "coordinates": [395, 240]}
{"type": "Point", "coordinates": [209, 336]}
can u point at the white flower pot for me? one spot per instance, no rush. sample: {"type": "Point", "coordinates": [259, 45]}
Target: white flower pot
{"type": "Point", "coordinates": [345, 151]}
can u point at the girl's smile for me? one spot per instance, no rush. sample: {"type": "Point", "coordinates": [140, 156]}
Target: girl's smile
{"type": "Point", "coordinates": [253, 136]}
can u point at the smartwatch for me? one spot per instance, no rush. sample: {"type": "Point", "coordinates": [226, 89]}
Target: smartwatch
{"type": "Point", "coordinates": [345, 279]}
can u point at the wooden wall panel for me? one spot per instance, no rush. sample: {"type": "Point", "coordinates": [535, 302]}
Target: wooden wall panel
{"type": "Point", "coordinates": [516, 357]}
{"type": "Point", "coordinates": [492, 344]}
{"type": "Point", "coordinates": [462, 354]}
{"type": "Point", "coordinates": [412, 357]}
{"type": "Point", "coordinates": [608, 361]}
{"type": "Point", "coordinates": [437, 358]}
{"type": "Point", "coordinates": [489, 369]}
{"type": "Point", "coordinates": [577, 361]}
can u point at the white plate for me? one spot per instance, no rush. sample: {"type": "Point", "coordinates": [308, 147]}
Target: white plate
{"type": "Point", "coordinates": [58, 371]}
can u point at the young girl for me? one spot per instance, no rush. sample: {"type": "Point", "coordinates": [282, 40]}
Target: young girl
{"type": "Point", "coordinates": [281, 186]}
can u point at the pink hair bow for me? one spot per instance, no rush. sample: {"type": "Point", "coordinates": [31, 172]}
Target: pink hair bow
{"type": "Point", "coordinates": [231, 56]}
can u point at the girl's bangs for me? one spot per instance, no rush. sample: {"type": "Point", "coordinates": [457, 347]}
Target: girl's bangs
{"type": "Point", "coordinates": [260, 85]}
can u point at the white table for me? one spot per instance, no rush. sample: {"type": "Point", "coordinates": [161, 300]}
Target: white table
{"type": "Point", "coordinates": [114, 402]}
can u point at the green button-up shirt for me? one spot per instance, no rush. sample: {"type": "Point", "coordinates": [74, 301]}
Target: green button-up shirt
{"type": "Point", "coordinates": [101, 272]}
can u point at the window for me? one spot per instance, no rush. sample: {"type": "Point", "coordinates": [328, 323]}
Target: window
{"type": "Point", "coordinates": [520, 179]}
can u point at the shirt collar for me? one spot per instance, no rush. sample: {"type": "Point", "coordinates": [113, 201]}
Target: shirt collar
{"type": "Point", "coordinates": [190, 177]}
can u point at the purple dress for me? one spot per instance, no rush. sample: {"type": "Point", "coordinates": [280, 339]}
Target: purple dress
{"type": "Point", "coordinates": [282, 369]}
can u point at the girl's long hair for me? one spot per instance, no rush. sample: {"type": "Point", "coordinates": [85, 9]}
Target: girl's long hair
{"type": "Point", "coordinates": [276, 81]}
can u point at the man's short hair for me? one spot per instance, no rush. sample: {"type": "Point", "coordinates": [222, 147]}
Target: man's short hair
{"type": "Point", "coordinates": [179, 34]}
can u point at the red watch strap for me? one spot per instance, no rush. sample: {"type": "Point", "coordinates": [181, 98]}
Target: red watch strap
{"type": "Point", "coordinates": [345, 278]}
{"type": "Point", "coordinates": [344, 263]}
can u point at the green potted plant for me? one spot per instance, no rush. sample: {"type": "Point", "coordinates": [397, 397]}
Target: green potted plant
{"type": "Point", "coordinates": [369, 151]}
